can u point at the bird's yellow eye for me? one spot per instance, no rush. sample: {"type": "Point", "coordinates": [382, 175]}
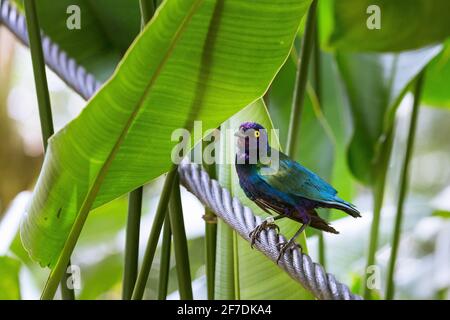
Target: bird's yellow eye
{"type": "Point", "coordinates": [257, 134]}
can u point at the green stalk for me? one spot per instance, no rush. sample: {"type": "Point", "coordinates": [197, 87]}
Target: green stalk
{"type": "Point", "coordinates": [237, 284]}
{"type": "Point", "coordinates": [148, 8]}
{"type": "Point", "coordinates": [132, 243]}
{"type": "Point", "coordinates": [224, 268]}
{"type": "Point", "coordinates": [40, 77]}
{"type": "Point", "coordinates": [321, 249]}
{"type": "Point", "coordinates": [135, 202]}
{"type": "Point", "coordinates": [390, 291]}
{"type": "Point", "coordinates": [210, 250]}
{"type": "Point", "coordinates": [318, 89]}
{"type": "Point", "coordinates": [152, 242]}
{"type": "Point", "coordinates": [180, 242]}
{"type": "Point", "coordinates": [378, 196]}
{"type": "Point", "coordinates": [165, 260]}
{"type": "Point", "coordinates": [66, 292]}
{"type": "Point", "coordinates": [43, 97]}
{"type": "Point", "coordinates": [317, 65]}
{"type": "Point", "coordinates": [210, 241]}
{"type": "Point", "coordinates": [300, 81]}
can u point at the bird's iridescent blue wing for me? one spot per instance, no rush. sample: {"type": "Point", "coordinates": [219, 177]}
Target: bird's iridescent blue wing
{"type": "Point", "coordinates": [292, 178]}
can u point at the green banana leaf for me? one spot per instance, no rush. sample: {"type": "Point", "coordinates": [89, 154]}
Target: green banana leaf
{"type": "Point", "coordinates": [344, 24]}
{"type": "Point", "coordinates": [243, 273]}
{"type": "Point", "coordinates": [103, 226]}
{"type": "Point", "coordinates": [196, 60]}
{"type": "Point", "coordinates": [375, 85]}
{"type": "Point", "coordinates": [436, 91]}
{"type": "Point", "coordinates": [107, 28]}
{"type": "Point", "coordinates": [9, 280]}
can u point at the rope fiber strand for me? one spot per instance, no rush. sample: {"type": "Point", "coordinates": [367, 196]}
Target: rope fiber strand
{"type": "Point", "coordinates": [299, 266]}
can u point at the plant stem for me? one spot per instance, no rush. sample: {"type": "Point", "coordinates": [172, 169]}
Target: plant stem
{"type": "Point", "coordinates": [153, 238]}
{"type": "Point", "coordinates": [210, 250]}
{"type": "Point", "coordinates": [378, 196]}
{"type": "Point", "coordinates": [66, 293]}
{"type": "Point", "coordinates": [300, 81]}
{"type": "Point", "coordinates": [210, 240]}
{"type": "Point", "coordinates": [134, 203]}
{"type": "Point", "coordinates": [321, 245]}
{"type": "Point", "coordinates": [148, 8]}
{"type": "Point", "coordinates": [317, 65]}
{"type": "Point", "coordinates": [318, 89]}
{"type": "Point", "coordinates": [237, 284]}
{"type": "Point", "coordinates": [43, 97]}
{"type": "Point", "coordinates": [390, 291]}
{"type": "Point", "coordinates": [132, 243]}
{"type": "Point", "coordinates": [165, 260]}
{"type": "Point", "coordinates": [40, 77]}
{"type": "Point", "coordinates": [180, 243]}
{"type": "Point", "coordinates": [224, 268]}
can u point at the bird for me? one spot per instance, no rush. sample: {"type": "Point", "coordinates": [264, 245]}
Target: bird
{"type": "Point", "coordinates": [286, 188]}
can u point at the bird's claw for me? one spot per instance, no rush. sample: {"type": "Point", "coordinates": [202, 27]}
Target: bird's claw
{"type": "Point", "coordinates": [266, 224]}
{"type": "Point", "coordinates": [284, 246]}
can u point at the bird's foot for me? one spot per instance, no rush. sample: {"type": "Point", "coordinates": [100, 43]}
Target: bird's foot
{"type": "Point", "coordinates": [268, 223]}
{"type": "Point", "coordinates": [289, 245]}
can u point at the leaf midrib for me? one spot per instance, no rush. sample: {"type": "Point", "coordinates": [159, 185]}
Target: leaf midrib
{"type": "Point", "coordinates": [177, 35]}
{"type": "Point", "coordinates": [94, 189]}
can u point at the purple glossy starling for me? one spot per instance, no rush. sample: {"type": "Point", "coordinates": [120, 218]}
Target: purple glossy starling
{"type": "Point", "coordinates": [291, 190]}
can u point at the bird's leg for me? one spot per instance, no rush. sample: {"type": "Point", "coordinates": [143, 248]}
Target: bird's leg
{"type": "Point", "coordinates": [268, 223]}
{"type": "Point", "coordinates": [284, 246]}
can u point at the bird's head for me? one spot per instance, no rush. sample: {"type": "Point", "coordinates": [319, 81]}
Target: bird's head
{"type": "Point", "coordinates": [251, 138]}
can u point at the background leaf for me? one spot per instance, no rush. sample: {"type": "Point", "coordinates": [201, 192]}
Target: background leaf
{"type": "Point", "coordinates": [9, 280]}
{"type": "Point", "coordinates": [405, 24]}
{"type": "Point", "coordinates": [107, 29]}
{"type": "Point", "coordinates": [435, 90]}
{"type": "Point", "coordinates": [194, 59]}
{"type": "Point", "coordinates": [375, 84]}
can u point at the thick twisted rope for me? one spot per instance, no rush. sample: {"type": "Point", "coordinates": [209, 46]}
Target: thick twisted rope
{"type": "Point", "coordinates": [74, 75]}
{"type": "Point", "coordinates": [299, 266]}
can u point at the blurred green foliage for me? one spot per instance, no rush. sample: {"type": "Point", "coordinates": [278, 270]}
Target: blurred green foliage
{"type": "Point", "coordinates": [9, 280]}
{"type": "Point", "coordinates": [365, 74]}
{"type": "Point", "coordinates": [404, 24]}
{"type": "Point", "coordinates": [108, 27]}
{"type": "Point", "coordinates": [375, 85]}
{"type": "Point", "coordinates": [436, 91]}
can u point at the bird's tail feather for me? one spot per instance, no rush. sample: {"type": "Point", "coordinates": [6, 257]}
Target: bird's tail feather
{"type": "Point", "coordinates": [318, 223]}
{"type": "Point", "coordinates": [343, 205]}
